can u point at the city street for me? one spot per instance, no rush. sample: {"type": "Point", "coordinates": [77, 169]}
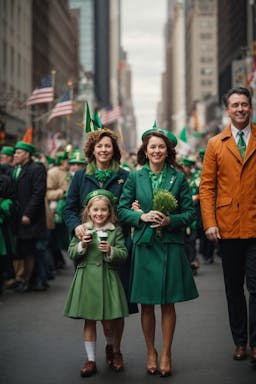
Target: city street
{"type": "Point", "coordinates": [40, 346]}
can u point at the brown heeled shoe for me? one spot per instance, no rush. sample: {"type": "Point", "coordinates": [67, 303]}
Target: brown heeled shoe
{"type": "Point", "coordinates": [166, 372]}
{"type": "Point", "coordinates": [118, 363]}
{"type": "Point", "coordinates": [152, 364]}
{"type": "Point", "coordinates": [109, 355]}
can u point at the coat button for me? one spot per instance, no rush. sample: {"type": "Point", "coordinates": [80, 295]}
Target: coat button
{"type": "Point", "coordinates": [98, 264]}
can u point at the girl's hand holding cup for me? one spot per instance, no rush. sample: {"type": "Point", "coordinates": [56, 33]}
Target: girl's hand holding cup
{"type": "Point", "coordinates": [103, 243]}
{"type": "Point", "coordinates": [86, 239]}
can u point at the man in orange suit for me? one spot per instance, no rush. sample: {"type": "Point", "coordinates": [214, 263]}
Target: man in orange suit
{"type": "Point", "coordinates": [228, 206]}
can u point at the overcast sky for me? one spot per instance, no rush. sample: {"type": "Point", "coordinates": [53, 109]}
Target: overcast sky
{"type": "Point", "coordinates": [143, 39]}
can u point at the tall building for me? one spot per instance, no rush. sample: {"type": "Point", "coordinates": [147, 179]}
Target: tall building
{"type": "Point", "coordinates": [15, 66]}
{"type": "Point", "coordinates": [232, 39]}
{"type": "Point", "coordinates": [86, 32]}
{"type": "Point", "coordinates": [174, 104]}
{"type": "Point", "coordinates": [201, 51]}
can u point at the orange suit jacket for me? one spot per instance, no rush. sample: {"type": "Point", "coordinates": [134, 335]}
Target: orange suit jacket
{"type": "Point", "coordinates": [228, 186]}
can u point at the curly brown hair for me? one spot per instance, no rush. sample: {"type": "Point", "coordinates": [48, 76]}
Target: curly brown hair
{"type": "Point", "coordinates": [171, 152]}
{"type": "Point", "coordinates": [95, 137]}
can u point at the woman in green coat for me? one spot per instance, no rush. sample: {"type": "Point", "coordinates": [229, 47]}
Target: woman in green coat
{"type": "Point", "coordinates": [161, 273]}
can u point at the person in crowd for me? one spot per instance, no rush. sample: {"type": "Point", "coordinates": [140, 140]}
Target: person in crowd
{"type": "Point", "coordinates": [76, 162]}
{"type": "Point", "coordinates": [227, 195]}
{"type": "Point", "coordinates": [58, 181]}
{"type": "Point", "coordinates": [103, 171]}
{"type": "Point", "coordinates": [207, 248]}
{"type": "Point", "coordinates": [30, 188]}
{"type": "Point", "coordinates": [161, 272]}
{"type": "Point", "coordinates": [6, 156]}
{"type": "Point", "coordinates": [191, 230]}
{"type": "Point", "coordinates": [7, 244]}
{"type": "Point", "coordinates": [97, 293]}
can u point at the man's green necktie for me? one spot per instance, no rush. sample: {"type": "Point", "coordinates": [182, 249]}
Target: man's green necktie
{"type": "Point", "coordinates": [17, 171]}
{"type": "Point", "coordinates": [241, 143]}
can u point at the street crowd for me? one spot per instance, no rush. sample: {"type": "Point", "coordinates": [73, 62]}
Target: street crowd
{"type": "Point", "coordinates": [133, 228]}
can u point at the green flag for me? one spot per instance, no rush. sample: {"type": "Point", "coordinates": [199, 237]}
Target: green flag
{"type": "Point", "coordinates": [97, 124]}
{"type": "Point", "coordinates": [183, 135]}
{"type": "Point", "coordinates": [87, 119]}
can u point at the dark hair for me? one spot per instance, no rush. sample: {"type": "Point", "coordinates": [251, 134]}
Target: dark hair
{"type": "Point", "coordinates": [238, 91]}
{"type": "Point", "coordinates": [95, 137]}
{"type": "Point", "coordinates": [171, 152]}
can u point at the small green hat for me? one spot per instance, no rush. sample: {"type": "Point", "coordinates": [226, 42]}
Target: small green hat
{"type": "Point", "coordinates": [50, 160]}
{"type": "Point", "coordinates": [126, 165]}
{"type": "Point", "coordinates": [7, 151]}
{"type": "Point", "coordinates": [60, 156]}
{"type": "Point", "coordinates": [187, 161]}
{"type": "Point", "coordinates": [25, 146]}
{"type": "Point", "coordinates": [77, 157]}
{"type": "Point", "coordinates": [201, 153]}
{"type": "Point", "coordinates": [100, 192]}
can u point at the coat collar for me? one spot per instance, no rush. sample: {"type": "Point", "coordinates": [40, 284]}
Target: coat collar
{"type": "Point", "coordinates": [227, 136]}
{"type": "Point", "coordinates": [146, 183]}
{"type": "Point", "coordinates": [108, 226]}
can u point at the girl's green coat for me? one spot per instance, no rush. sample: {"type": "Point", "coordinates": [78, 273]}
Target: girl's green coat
{"type": "Point", "coordinates": [160, 270]}
{"type": "Point", "coordinates": [96, 292]}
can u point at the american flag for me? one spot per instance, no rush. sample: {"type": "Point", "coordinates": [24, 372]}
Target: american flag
{"type": "Point", "coordinates": [63, 107]}
{"type": "Point", "coordinates": [43, 94]}
{"type": "Point", "coordinates": [108, 116]}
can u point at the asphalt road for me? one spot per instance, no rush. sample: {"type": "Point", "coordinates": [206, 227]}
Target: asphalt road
{"type": "Point", "coordinates": [38, 345]}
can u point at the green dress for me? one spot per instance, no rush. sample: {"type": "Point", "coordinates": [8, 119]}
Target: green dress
{"type": "Point", "coordinates": [161, 273]}
{"type": "Point", "coordinates": [96, 292]}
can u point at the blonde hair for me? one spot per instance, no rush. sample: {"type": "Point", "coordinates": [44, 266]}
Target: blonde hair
{"type": "Point", "coordinates": [85, 213]}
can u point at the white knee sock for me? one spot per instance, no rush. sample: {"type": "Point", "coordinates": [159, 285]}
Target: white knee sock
{"type": "Point", "coordinates": [90, 349]}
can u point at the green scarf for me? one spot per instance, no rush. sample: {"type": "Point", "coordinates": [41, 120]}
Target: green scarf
{"type": "Point", "coordinates": [102, 176]}
{"type": "Point", "coordinates": [157, 178]}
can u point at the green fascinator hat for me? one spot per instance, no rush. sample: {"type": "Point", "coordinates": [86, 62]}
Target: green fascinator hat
{"type": "Point", "coordinates": [25, 146]}
{"type": "Point", "coordinates": [101, 192]}
{"type": "Point", "coordinates": [168, 134]}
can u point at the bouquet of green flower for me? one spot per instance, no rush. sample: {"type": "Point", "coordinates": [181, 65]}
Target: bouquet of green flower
{"type": "Point", "coordinates": [164, 201]}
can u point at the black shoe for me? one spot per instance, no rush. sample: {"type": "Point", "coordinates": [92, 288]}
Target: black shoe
{"type": "Point", "coordinates": [23, 288]}
{"type": "Point", "coordinates": [40, 287]}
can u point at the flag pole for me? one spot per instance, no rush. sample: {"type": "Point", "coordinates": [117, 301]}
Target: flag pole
{"type": "Point", "coordinates": [70, 86]}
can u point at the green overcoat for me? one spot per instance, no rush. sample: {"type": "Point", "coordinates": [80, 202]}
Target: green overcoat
{"type": "Point", "coordinates": [96, 292]}
{"type": "Point", "coordinates": [161, 273]}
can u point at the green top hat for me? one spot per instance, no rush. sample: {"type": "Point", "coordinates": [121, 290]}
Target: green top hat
{"type": "Point", "coordinates": [7, 151]}
{"type": "Point", "coordinates": [25, 146]}
{"type": "Point", "coordinates": [77, 157]}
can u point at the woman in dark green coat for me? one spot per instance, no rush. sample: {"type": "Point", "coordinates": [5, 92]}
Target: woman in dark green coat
{"type": "Point", "coordinates": [102, 171]}
{"type": "Point", "coordinates": [161, 273]}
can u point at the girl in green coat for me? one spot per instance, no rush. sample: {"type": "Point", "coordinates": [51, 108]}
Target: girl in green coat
{"type": "Point", "coordinates": [161, 273]}
{"type": "Point", "coordinates": [96, 292]}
